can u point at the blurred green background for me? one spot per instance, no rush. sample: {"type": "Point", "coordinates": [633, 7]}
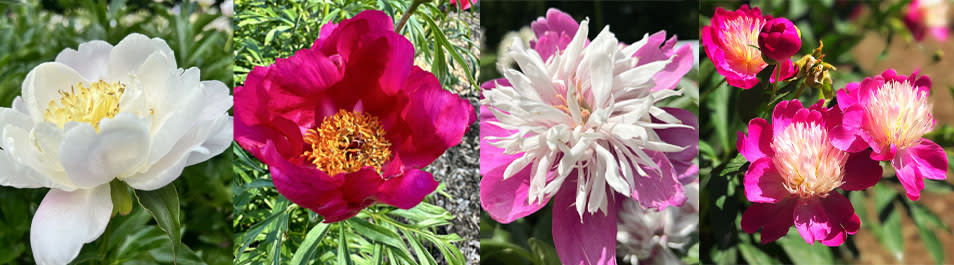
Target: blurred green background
{"type": "Point", "coordinates": [33, 32]}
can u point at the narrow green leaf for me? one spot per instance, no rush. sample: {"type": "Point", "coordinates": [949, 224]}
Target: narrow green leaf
{"type": "Point", "coordinates": [163, 205]}
{"type": "Point", "coordinates": [754, 255]}
{"type": "Point", "coordinates": [344, 255]}
{"type": "Point", "coordinates": [307, 248]}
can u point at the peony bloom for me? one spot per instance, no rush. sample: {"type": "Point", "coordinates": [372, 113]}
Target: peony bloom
{"type": "Point", "coordinates": [890, 114]}
{"type": "Point", "coordinates": [350, 121]}
{"type": "Point", "coordinates": [648, 237]}
{"type": "Point", "coordinates": [731, 41]}
{"type": "Point", "coordinates": [779, 39]}
{"type": "Point", "coordinates": [794, 171]}
{"type": "Point", "coordinates": [103, 113]}
{"type": "Point", "coordinates": [927, 17]}
{"type": "Point", "coordinates": [463, 4]}
{"type": "Point", "coordinates": [580, 128]}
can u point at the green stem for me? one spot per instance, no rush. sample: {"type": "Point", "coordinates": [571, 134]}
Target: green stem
{"type": "Point", "coordinates": [407, 15]}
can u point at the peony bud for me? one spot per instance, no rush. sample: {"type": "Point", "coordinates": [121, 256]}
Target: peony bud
{"type": "Point", "coordinates": [779, 39]}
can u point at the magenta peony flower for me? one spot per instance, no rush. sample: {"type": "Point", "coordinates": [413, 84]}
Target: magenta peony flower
{"type": "Point", "coordinates": [731, 41]}
{"type": "Point", "coordinates": [794, 171]}
{"type": "Point", "coordinates": [927, 17]}
{"type": "Point", "coordinates": [779, 39]}
{"type": "Point", "coordinates": [579, 127]}
{"type": "Point", "coordinates": [350, 121]}
{"type": "Point", "coordinates": [890, 114]}
{"type": "Point", "coordinates": [464, 4]}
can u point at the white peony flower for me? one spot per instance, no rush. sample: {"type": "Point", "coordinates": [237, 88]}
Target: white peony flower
{"type": "Point", "coordinates": [588, 109]}
{"type": "Point", "coordinates": [104, 113]}
{"type": "Point", "coordinates": [647, 236]}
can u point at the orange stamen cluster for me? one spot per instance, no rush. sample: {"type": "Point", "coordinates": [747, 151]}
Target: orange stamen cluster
{"type": "Point", "coordinates": [346, 142]}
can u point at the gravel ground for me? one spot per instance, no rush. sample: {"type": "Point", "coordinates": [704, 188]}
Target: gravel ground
{"type": "Point", "coordinates": [459, 168]}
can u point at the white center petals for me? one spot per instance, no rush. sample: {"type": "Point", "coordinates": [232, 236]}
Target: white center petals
{"type": "Point", "coordinates": [587, 109]}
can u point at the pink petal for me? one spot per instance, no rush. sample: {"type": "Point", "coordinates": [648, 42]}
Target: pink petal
{"type": "Point", "coordinates": [433, 120]}
{"type": "Point", "coordinates": [758, 143]}
{"type": "Point", "coordinates": [861, 172]}
{"type": "Point", "coordinates": [773, 218]}
{"type": "Point", "coordinates": [591, 240]}
{"type": "Point", "coordinates": [408, 190]}
{"type": "Point", "coordinates": [504, 200]}
{"type": "Point", "coordinates": [845, 134]}
{"type": "Point", "coordinates": [930, 158]}
{"type": "Point", "coordinates": [843, 220]}
{"type": "Point", "coordinates": [784, 112]}
{"type": "Point", "coordinates": [763, 183]}
{"type": "Point", "coordinates": [811, 220]}
{"type": "Point", "coordinates": [658, 189]}
{"type": "Point", "coordinates": [682, 161]}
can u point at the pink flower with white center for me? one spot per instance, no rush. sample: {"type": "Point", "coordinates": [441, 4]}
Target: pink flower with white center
{"type": "Point", "coordinates": [581, 127]}
{"type": "Point", "coordinates": [732, 44]}
{"type": "Point", "coordinates": [927, 17]}
{"type": "Point", "coordinates": [890, 113]}
{"type": "Point", "coordinates": [794, 171]}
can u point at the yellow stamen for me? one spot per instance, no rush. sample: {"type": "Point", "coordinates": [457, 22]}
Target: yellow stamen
{"type": "Point", "coordinates": [89, 104]}
{"type": "Point", "coordinates": [347, 142]}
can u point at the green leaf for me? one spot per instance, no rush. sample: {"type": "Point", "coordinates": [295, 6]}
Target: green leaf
{"type": "Point", "coordinates": [344, 255]}
{"type": "Point", "coordinates": [802, 253]}
{"type": "Point", "coordinates": [543, 253]}
{"type": "Point", "coordinates": [890, 235]}
{"type": "Point", "coordinates": [754, 255]}
{"type": "Point", "coordinates": [307, 249]}
{"type": "Point", "coordinates": [734, 166]}
{"type": "Point", "coordinates": [932, 244]}
{"type": "Point", "coordinates": [163, 205]}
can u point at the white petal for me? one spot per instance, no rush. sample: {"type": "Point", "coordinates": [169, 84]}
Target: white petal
{"type": "Point", "coordinates": [131, 52]}
{"type": "Point", "coordinates": [67, 220]}
{"type": "Point", "coordinates": [611, 172]}
{"type": "Point", "coordinates": [91, 59]}
{"type": "Point", "coordinates": [120, 148]}
{"type": "Point", "coordinates": [43, 83]}
{"type": "Point", "coordinates": [196, 146]}
{"type": "Point", "coordinates": [600, 55]}
{"type": "Point", "coordinates": [13, 174]}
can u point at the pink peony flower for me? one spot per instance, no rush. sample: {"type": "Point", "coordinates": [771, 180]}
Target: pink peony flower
{"type": "Point", "coordinates": [794, 171]}
{"type": "Point", "coordinates": [890, 113]}
{"type": "Point", "coordinates": [463, 4]}
{"type": "Point", "coordinates": [731, 42]}
{"type": "Point", "coordinates": [579, 127]}
{"type": "Point", "coordinates": [927, 17]}
{"type": "Point", "coordinates": [779, 39]}
{"type": "Point", "coordinates": [350, 121]}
